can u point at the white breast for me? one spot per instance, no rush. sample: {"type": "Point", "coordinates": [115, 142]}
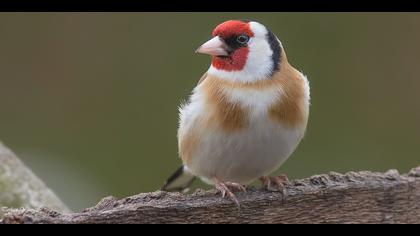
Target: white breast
{"type": "Point", "coordinates": [244, 155]}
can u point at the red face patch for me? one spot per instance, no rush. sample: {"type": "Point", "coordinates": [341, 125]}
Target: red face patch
{"type": "Point", "coordinates": [237, 59]}
{"type": "Point", "coordinates": [235, 62]}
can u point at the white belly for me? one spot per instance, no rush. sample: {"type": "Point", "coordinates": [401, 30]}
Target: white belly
{"type": "Point", "coordinates": [246, 155]}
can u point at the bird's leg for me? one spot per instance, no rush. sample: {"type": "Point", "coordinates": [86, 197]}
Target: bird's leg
{"type": "Point", "coordinates": [225, 189]}
{"type": "Point", "coordinates": [275, 183]}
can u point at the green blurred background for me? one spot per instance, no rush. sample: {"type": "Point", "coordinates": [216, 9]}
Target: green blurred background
{"type": "Point", "coordinates": [90, 100]}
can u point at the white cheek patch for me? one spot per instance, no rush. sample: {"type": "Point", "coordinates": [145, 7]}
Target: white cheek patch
{"type": "Point", "coordinates": [259, 63]}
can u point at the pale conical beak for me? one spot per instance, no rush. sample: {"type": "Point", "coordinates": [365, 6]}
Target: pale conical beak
{"type": "Point", "coordinates": [214, 47]}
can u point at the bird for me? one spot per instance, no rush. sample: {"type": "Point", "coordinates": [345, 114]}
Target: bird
{"type": "Point", "coordinates": [245, 117]}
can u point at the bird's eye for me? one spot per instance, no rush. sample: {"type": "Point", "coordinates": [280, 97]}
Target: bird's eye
{"type": "Point", "coordinates": [242, 39]}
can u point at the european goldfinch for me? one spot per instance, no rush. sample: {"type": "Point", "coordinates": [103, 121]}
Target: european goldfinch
{"type": "Point", "coordinates": [247, 114]}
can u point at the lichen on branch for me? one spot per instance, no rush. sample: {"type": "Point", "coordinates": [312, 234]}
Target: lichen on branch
{"type": "Point", "coordinates": [21, 188]}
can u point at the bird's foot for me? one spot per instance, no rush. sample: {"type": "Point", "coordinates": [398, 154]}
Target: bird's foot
{"type": "Point", "coordinates": [225, 188]}
{"type": "Point", "coordinates": [275, 183]}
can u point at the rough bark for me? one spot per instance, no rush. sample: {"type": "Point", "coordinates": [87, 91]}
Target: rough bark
{"type": "Point", "coordinates": [20, 188]}
{"type": "Point", "coordinates": [356, 197]}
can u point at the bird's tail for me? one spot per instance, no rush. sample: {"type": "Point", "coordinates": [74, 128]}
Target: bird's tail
{"type": "Point", "coordinates": [179, 181]}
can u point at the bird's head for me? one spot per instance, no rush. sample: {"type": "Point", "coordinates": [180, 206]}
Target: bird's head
{"type": "Point", "coordinates": [243, 51]}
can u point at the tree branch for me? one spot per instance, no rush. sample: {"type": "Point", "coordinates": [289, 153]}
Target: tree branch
{"type": "Point", "coordinates": [19, 187]}
{"type": "Point", "coordinates": [356, 197]}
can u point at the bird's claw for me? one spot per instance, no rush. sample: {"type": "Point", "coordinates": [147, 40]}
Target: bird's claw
{"type": "Point", "coordinates": [275, 184]}
{"type": "Point", "coordinates": [225, 188]}
{"type": "Point", "coordinates": [236, 186]}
